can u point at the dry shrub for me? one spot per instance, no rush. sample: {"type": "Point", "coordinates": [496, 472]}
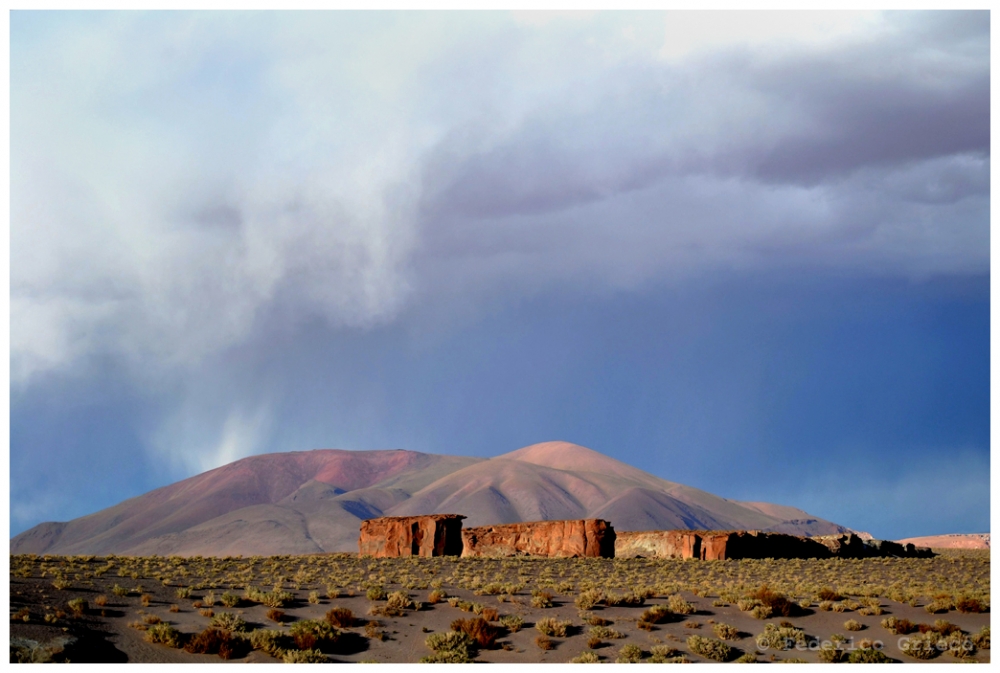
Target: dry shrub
{"type": "Point", "coordinates": [828, 594]}
{"type": "Point", "coordinates": [453, 647]}
{"type": "Point", "coordinates": [710, 648]}
{"type": "Point", "coordinates": [373, 630]}
{"type": "Point", "coordinates": [229, 622]}
{"type": "Point", "coordinates": [588, 599]}
{"type": "Point", "coordinates": [275, 615]}
{"type": "Point", "coordinates": [776, 601]}
{"type": "Point", "coordinates": [490, 614]}
{"type": "Point", "coordinates": [341, 617]}
{"type": "Point", "coordinates": [967, 605]}
{"type": "Point", "coordinates": [938, 605]}
{"type": "Point", "coordinates": [313, 633]}
{"type": "Point", "coordinates": [629, 654]}
{"type": "Point", "coordinates": [304, 657]}
{"type": "Point", "coordinates": [478, 629]}
{"type": "Point", "coordinates": [868, 655]}
{"type": "Point", "coordinates": [921, 646]}
{"type": "Point", "coordinates": [550, 626]}
{"type": "Point", "coordinates": [655, 614]}
{"type": "Point", "coordinates": [944, 627]}
{"type": "Point", "coordinates": [217, 641]}
{"type": "Point", "coordinates": [541, 599]}
{"type": "Point", "coordinates": [678, 605]}
{"type": "Point", "coordinates": [100, 600]}
{"type": "Point", "coordinates": [982, 638]}
{"type": "Point", "coordinates": [544, 643]}
{"type": "Point", "coordinates": [164, 634]}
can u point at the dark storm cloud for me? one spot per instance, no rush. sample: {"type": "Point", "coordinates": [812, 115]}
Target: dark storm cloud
{"type": "Point", "coordinates": [799, 116]}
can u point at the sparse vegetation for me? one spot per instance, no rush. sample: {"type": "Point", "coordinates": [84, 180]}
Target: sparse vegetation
{"type": "Point", "coordinates": [229, 622]}
{"type": "Point", "coordinates": [226, 644]}
{"type": "Point", "coordinates": [781, 637]}
{"type": "Point", "coordinates": [550, 626]}
{"type": "Point", "coordinates": [304, 657]}
{"type": "Point", "coordinates": [868, 655]}
{"type": "Point", "coordinates": [512, 623]}
{"type": "Point", "coordinates": [313, 633]}
{"type": "Point", "coordinates": [921, 645]}
{"type": "Point", "coordinates": [164, 634]}
{"type": "Point", "coordinates": [629, 654]}
{"type": "Point", "coordinates": [451, 647]}
{"type": "Point", "coordinates": [726, 632]}
{"type": "Point", "coordinates": [897, 626]}
{"type": "Point", "coordinates": [479, 630]}
{"type": "Point", "coordinates": [608, 587]}
{"type": "Point", "coordinates": [710, 648]}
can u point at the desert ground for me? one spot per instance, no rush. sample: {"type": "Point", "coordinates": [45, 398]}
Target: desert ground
{"type": "Point", "coordinates": [345, 608]}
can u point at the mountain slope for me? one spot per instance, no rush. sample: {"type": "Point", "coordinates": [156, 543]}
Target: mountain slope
{"type": "Point", "coordinates": [951, 541]}
{"type": "Point", "coordinates": [314, 501]}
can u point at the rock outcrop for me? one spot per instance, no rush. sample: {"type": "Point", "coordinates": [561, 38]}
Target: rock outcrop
{"type": "Point", "coordinates": [583, 537]}
{"type": "Point", "coordinates": [715, 545]}
{"type": "Point", "coordinates": [430, 535]}
{"type": "Point", "coordinates": [854, 546]}
{"type": "Point", "coordinates": [658, 544]}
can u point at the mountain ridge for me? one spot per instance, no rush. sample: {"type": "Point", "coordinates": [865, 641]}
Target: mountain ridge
{"type": "Point", "coordinates": [314, 501]}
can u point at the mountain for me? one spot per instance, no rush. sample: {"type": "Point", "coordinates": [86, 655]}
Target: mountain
{"type": "Point", "coordinates": [314, 501]}
{"type": "Point", "coordinates": [952, 541]}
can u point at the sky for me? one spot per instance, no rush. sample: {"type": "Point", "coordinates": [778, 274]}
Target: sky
{"type": "Point", "coordinates": [747, 252]}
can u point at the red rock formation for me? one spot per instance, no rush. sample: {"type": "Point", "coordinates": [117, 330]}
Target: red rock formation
{"type": "Point", "coordinates": [714, 545]}
{"type": "Point", "coordinates": [658, 544]}
{"type": "Point", "coordinates": [846, 546]}
{"type": "Point", "coordinates": [583, 537]}
{"type": "Point", "coordinates": [430, 535]}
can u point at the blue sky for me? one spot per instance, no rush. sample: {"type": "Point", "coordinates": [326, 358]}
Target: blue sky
{"type": "Point", "coordinates": [749, 253]}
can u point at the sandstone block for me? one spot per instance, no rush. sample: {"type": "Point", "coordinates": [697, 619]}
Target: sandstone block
{"type": "Point", "coordinates": [430, 535]}
{"type": "Point", "coordinates": [577, 538]}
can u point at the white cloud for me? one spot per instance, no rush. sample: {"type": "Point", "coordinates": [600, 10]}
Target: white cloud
{"type": "Point", "coordinates": [693, 32]}
{"type": "Point", "coordinates": [236, 433]}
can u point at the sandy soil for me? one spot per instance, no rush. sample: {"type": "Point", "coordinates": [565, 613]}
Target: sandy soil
{"type": "Point", "coordinates": [104, 635]}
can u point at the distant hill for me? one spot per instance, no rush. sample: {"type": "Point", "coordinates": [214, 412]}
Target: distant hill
{"type": "Point", "coordinates": [314, 501]}
{"type": "Point", "coordinates": [952, 541]}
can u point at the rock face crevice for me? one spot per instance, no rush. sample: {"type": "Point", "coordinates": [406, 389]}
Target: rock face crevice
{"type": "Point", "coordinates": [593, 538]}
{"type": "Point", "coordinates": [430, 535]}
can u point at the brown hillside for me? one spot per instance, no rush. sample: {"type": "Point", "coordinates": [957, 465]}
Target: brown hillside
{"type": "Point", "coordinates": [314, 501]}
